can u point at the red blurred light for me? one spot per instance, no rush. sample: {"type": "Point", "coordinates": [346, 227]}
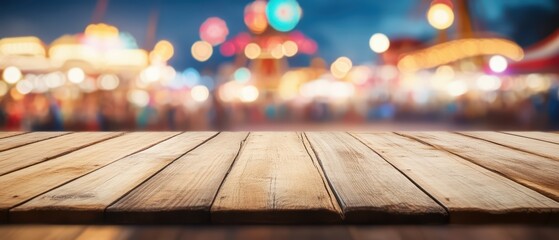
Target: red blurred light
{"type": "Point", "coordinates": [228, 49]}
{"type": "Point", "coordinates": [308, 46]}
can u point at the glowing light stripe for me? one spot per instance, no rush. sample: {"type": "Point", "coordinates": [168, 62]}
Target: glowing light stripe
{"type": "Point", "coordinates": [455, 50]}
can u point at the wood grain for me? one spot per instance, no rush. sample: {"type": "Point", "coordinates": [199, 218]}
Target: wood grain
{"type": "Point", "coordinates": [84, 200]}
{"type": "Point", "coordinates": [10, 134]}
{"type": "Point", "coordinates": [369, 189]}
{"type": "Point", "coordinates": [20, 186]}
{"type": "Point", "coordinates": [541, 148]}
{"type": "Point", "coordinates": [273, 180]}
{"type": "Point", "coordinates": [184, 191]}
{"type": "Point", "coordinates": [542, 136]}
{"type": "Point", "coordinates": [536, 172]}
{"type": "Point", "coordinates": [34, 153]}
{"type": "Point", "coordinates": [23, 139]}
{"type": "Point", "coordinates": [470, 193]}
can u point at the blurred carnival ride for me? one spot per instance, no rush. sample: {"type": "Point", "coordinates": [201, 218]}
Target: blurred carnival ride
{"type": "Point", "coordinates": [101, 80]}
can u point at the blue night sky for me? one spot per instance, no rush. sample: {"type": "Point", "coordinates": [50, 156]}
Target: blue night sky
{"type": "Point", "coordinates": [339, 27]}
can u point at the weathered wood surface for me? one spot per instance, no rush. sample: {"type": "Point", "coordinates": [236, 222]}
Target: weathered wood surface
{"type": "Point", "coordinates": [367, 187]}
{"type": "Point", "coordinates": [544, 149]}
{"type": "Point", "coordinates": [23, 139]}
{"type": "Point", "coordinates": [184, 191]}
{"type": "Point", "coordinates": [542, 136]}
{"type": "Point", "coordinates": [531, 170]}
{"type": "Point", "coordinates": [276, 177]}
{"type": "Point", "coordinates": [22, 185]}
{"type": "Point", "coordinates": [470, 193]}
{"type": "Point", "coordinates": [85, 199]}
{"type": "Point", "coordinates": [34, 153]}
{"type": "Point", "coordinates": [10, 134]}
{"type": "Point", "coordinates": [274, 180]}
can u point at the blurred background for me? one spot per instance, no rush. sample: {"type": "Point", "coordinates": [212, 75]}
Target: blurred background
{"type": "Point", "coordinates": [279, 64]}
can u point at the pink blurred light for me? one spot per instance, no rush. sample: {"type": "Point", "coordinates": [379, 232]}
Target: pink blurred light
{"type": "Point", "coordinates": [214, 31]}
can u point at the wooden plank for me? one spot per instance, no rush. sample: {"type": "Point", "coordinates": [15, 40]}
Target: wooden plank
{"type": "Point", "coordinates": [10, 134]}
{"type": "Point", "coordinates": [316, 163]}
{"type": "Point", "coordinates": [184, 191]}
{"type": "Point", "coordinates": [84, 200]}
{"type": "Point", "coordinates": [20, 186]}
{"type": "Point", "coordinates": [541, 148]}
{"type": "Point", "coordinates": [470, 193]}
{"type": "Point", "coordinates": [542, 136]}
{"type": "Point", "coordinates": [34, 153]}
{"type": "Point", "coordinates": [369, 189]}
{"type": "Point", "coordinates": [23, 139]}
{"type": "Point", "coordinates": [274, 180]}
{"type": "Point", "coordinates": [536, 172]}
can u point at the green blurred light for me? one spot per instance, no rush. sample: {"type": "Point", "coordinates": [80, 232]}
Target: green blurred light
{"type": "Point", "coordinates": [283, 15]}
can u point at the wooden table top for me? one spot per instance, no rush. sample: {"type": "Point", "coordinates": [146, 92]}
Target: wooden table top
{"type": "Point", "coordinates": [279, 177]}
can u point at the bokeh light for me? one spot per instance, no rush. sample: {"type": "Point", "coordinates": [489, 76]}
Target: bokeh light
{"type": "Point", "coordinates": [488, 83]}
{"type": "Point", "coordinates": [108, 82]}
{"type": "Point", "coordinates": [283, 15]}
{"type": "Point", "coordinates": [457, 88]}
{"type": "Point", "coordinates": [11, 74]}
{"type": "Point", "coordinates": [138, 97]}
{"type": "Point", "coordinates": [255, 16]}
{"type": "Point", "coordinates": [191, 77]}
{"type": "Point", "coordinates": [214, 31]}
{"type": "Point", "coordinates": [76, 75]}
{"type": "Point", "coordinates": [252, 51]}
{"type": "Point", "coordinates": [359, 75]}
{"type": "Point", "coordinates": [379, 43]}
{"type": "Point", "coordinates": [341, 67]}
{"type": "Point", "coordinates": [55, 79]}
{"type": "Point", "coordinates": [24, 86]}
{"type": "Point", "coordinates": [249, 94]}
{"type": "Point", "coordinates": [163, 51]}
{"type": "Point", "coordinates": [242, 75]}
{"type": "Point", "coordinates": [440, 16]}
{"type": "Point", "coordinates": [150, 74]}
{"type": "Point", "coordinates": [201, 51]}
{"type": "Point", "coordinates": [277, 51]}
{"type": "Point", "coordinates": [290, 48]}
{"type": "Point", "coordinates": [227, 49]}
{"type": "Point", "coordinates": [498, 64]}
{"type": "Point", "coordinates": [3, 88]}
{"type": "Point", "coordinates": [228, 92]}
{"type": "Point", "coordinates": [199, 93]}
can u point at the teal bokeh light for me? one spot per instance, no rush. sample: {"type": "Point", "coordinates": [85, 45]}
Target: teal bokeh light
{"type": "Point", "coordinates": [283, 15]}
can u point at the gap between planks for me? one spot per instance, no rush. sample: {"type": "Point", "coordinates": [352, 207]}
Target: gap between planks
{"type": "Point", "coordinates": [194, 178]}
{"type": "Point", "coordinates": [470, 193]}
{"type": "Point", "coordinates": [274, 180]}
{"type": "Point", "coordinates": [85, 199]}
{"type": "Point", "coordinates": [532, 171]}
{"type": "Point", "coordinates": [43, 177]}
